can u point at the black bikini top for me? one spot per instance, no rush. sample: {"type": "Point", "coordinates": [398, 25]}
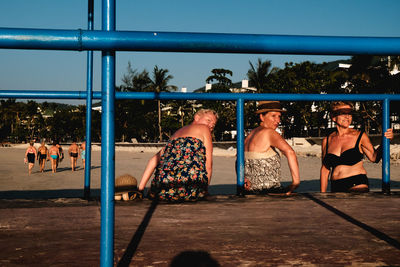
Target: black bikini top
{"type": "Point", "coordinates": [349, 157]}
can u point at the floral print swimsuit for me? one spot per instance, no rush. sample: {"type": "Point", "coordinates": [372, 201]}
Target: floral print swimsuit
{"type": "Point", "coordinates": [181, 174]}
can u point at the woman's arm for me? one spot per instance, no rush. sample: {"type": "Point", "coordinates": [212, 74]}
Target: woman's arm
{"type": "Point", "coordinates": [324, 172]}
{"type": "Point", "coordinates": [374, 155]}
{"type": "Point", "coordinates": [209, 152]}
{"type": "Point", "coordinates": [277, 141]}
{"type": "Point", "coordinates": [26, 155]}
{"type": "Point", "coordinates": [151, 165]}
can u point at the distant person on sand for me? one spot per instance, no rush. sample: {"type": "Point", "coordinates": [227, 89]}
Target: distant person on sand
{"type": "Point", "coordinates": [83, 152]}
{"type": "Point", "coordinates": [262, 168]}
{"type": "Point", "coordinates": [73, 152]}
{"type": "Point", "coordinates": [343, 152]}
{"type": "Point", "coordinates": [184, 166]}
{"type": "Point", "coordinates": [30, 155]}
{"type": "Point", "coordinates": [61, 151]}
{"type": "Point", "coordinates": [42, 156]}
{"type": "Point", "coordinates": [54, 153]}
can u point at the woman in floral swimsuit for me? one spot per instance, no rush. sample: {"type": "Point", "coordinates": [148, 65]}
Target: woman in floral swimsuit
{"type": "Point", "coordinates": [183, 168]}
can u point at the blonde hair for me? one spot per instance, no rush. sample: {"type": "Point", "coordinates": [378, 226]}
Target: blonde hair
{"type": "Point", "coordinates": [203, 111]}
{"type": "Point", "coordinates": [336, 104]}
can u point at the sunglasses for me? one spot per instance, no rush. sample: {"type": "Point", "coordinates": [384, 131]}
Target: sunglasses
{"type": "Point", "coordinates": [342, 111]}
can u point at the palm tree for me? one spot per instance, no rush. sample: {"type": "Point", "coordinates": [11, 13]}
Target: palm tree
{"type": "Point", "coordinates": [159, 83]}
{"type": "Point", "coordinates": [134, 81]}
{"type": "Point", "coordinates": [258, 76]}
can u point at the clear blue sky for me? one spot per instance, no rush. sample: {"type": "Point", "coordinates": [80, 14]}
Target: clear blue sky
{"type": "Point", "coordinates": [66, 70]}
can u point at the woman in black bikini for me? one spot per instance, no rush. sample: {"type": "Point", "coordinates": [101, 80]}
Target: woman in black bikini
{"type": "Point", "coordinates": [30, 155]}
{"type": "Point", "coordinates": [343, 152]}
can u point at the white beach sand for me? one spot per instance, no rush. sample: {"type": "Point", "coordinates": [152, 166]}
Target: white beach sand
{"type": "Point", "coordinates": [132, 160]}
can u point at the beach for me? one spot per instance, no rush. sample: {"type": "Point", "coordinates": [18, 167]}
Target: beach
{"type": "Point", "coordinates": [16, 183]}
{"type": "Point", "coordinates": [44, 221]}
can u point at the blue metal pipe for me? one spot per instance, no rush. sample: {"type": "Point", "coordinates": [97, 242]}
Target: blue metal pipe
{"type": "Point", "coordinates": [89, 89]}
{"type": "Point", "coordinates": [107, 142]}
{"type": "Point", "coordinates": [255, 97]}
{"type": "Point", "coordinates": [42, 94]}
{"type": "Point", "coordinates": [17, 38]}
{"type": "Point", "coordinates": [386, 148]}
{"type": "Point", "coordinates": [240, 146]}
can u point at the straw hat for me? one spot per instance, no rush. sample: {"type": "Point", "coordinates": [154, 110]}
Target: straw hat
{"type": "Point", "coordinates": [266, 106]}
{"type": "Point", "coordinates": [124, 185]}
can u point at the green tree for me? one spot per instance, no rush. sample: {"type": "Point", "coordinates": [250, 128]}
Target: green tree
{"type": "Point", "coordinates": [8, 115]}
{"type": "Point", "coordinates": [301, 78]}
{"type": "Point", "coordinates": [225, 109]}
{"type": "Point", "coordinates": [371, 75]}
{"type": "Point", "coordinates": [223, 82]}
{"type": "Point", "coordinates": [159, 83]}
{"type": "Point", "coordinates": [258, 75]}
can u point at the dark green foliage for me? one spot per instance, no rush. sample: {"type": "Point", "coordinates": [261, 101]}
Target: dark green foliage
{"type": "Point", "coordinates": [23, 121]}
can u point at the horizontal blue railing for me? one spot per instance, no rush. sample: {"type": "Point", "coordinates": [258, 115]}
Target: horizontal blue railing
{"type": "Point", "coordinates": [42, 94]}
{"type": "Point", "coordinates": [49, 39]}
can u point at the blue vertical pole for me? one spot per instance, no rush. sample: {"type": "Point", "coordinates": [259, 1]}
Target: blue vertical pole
{"type": "Point", "coordinates": [240, 146]}
{"type": "Point", "coordinates": [107, 142]}
{"type": "Point", "coordinates": [89, 88]}
{"type": "Point", "coordinates": [386, 148]}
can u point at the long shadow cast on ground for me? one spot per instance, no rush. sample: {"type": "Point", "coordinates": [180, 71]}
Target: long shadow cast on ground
{"type": "Point", "coordinates": [391, 241]}
{"type": "Point", "coordinates": [137, 237]}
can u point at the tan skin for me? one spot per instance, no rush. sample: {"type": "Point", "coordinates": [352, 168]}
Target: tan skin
{"type": "Point", "coordinates": [83, 148]}
{"type": "Point", "coordinates": [30, 149]}
{"type": "Point", "coordinates": [74, 148]}
{"type": "Point", "coordinates": [200, 128]}
{"type": "Point", "coordinates": [343, 139]}
{"type": "Point", "coordinates": [44, 151]}
{"type": "Point", "coordinates": [264, 137]}
{"type": "Point", "coordinates": [54, 151]}
{"type": "Point", "coordinates": [59, 159]}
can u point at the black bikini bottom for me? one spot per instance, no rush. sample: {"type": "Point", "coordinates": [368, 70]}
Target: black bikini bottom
{"type": "Point", "coordinates": [345, 184]}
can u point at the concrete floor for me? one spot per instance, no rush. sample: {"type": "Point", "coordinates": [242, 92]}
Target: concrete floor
{"type": "Point", "coordinates": [303, 230]}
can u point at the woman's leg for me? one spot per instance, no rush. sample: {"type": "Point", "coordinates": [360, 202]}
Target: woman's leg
{"type": "Point", "coordinates": [54, 165]}
{"type": "Point", "coordinates": [30, 167]}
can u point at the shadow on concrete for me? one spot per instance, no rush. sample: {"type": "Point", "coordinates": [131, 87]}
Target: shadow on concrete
{"type": "Point", "coordinates": [382, 236]}
{"type": "Point", "coordinates": [222, 189]}
{"type": "Point", "coordinates": [47, 194]}
{"type": "Point", "coordinates": [137, 237]}
{"type": "Point", "coordinates": [194, 258]}
{"type": "Point", "coordinates": [313, 186]}
{"type": "Point", "coordinates": [309, 186]}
